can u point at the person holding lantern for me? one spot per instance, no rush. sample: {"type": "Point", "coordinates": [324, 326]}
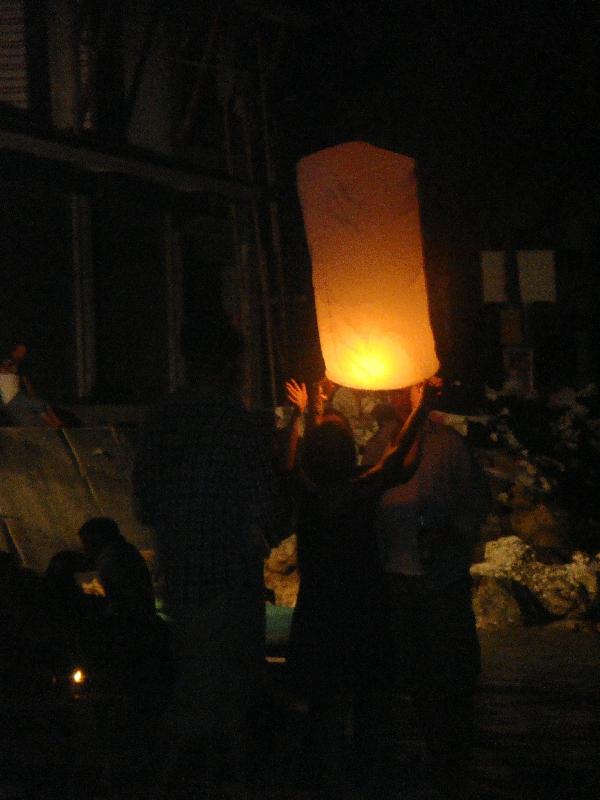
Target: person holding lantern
{"type": "Point", "coordinates": [426, 528]}
{"type": "Point", "coordinates": [339, 656]}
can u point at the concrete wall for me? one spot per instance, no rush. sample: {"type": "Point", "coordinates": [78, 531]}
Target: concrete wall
{"type": "Point", "coordinates": [53, 481]}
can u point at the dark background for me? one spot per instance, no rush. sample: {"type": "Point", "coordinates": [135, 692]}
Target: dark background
{"type": "Point", "coordinates": [497, 102]}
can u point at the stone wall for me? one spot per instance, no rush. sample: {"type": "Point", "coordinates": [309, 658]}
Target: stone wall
{"type": "Point", "coordinates": [53, 481]}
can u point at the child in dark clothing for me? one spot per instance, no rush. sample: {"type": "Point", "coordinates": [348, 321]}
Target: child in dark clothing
{"type": "Point", "coordinates": [338, 653]}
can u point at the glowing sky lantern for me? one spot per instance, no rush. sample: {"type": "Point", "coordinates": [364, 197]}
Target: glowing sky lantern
{"type": "Point", "coordinates": [361, 215]}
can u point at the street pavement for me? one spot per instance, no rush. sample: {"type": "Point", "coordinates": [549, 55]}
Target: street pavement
{"type": "Point", "coordinates": [537, 725]}
{"type": "Point", "coordinates": [537, 731]}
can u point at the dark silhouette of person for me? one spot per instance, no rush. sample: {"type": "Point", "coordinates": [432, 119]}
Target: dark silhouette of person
{"type": "Point", "coordinates": [427, 526]}
{"type": "Point", "coordinates": [74, 618]}
{"type": "Point", "coordinates": [25, 664]}
{"type": "Point", "coordinates": [339, 652]}
{"type": "Point", "coordinates": [133, 662]}
{"type": "Point", "coordinates": [11, 620]}
{"type": "Point", "coordinates": [121, 568]}
{"type": "Point", "coordinates": [204, 480]}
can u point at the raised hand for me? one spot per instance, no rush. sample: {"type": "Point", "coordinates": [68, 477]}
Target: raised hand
{"type": "Point", "coordinates": [297, 394]}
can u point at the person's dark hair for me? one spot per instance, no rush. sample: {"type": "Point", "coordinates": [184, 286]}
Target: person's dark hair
{"type": "Point", "coordinates": [328, 453]}
{"type": "Point", "coordinates": [61, 569]}
{"type": "Point", "coordinates": [98, 532]}
{"type": "Point", "coordinates": [383, 412]}
{"type": "Point", "coordinates": [211, 343]}
{"type": "Point", "coordinates": [59, 577]}
{"type": "Point", "coordinates": [332, 414]}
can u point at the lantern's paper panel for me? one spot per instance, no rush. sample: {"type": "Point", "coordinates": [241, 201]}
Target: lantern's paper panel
{"type": "Point", "coordinates": [361, 215]}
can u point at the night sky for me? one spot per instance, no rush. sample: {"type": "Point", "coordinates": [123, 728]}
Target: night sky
{"type": "Point", "coordinates": [499, 91]}
{"type": "Point", "coordinates": [497, 102]}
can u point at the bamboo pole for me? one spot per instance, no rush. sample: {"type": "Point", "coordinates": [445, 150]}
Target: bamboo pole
{"type": "Point", "coordinates": [195, 96]}
{"type": "Point", "coordinates": [261, 260]}
{"type": "Point", "coordinates": [174, 299]}
{"type": "Point", "coordinates": [82, 261]}
{"type": "Point", "coordinates": [273, 205]}
{"type": "Point", "coordinates": [240, 261]}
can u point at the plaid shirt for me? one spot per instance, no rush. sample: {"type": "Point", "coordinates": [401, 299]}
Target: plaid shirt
{"type": "Point", "coordinates": [204, 480]}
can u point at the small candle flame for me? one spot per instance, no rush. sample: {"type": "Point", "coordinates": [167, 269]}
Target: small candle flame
{"type": "Point", "coordinates": [78, 676]}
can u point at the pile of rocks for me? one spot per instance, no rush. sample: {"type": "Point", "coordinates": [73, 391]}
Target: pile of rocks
{"type": "Point", "coordinates": [281, 573]}
{"type": "Point", "coordinates": [513, 587]}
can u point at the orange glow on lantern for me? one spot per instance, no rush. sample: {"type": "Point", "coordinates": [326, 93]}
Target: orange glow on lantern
{"type": "Point", "coordinates": [361, 215]}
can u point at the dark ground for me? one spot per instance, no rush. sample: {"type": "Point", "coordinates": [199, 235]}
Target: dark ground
{"type": "Point", "coordinates": [538, 714]}
{"type": "Point", "coordinates": [537, 729]}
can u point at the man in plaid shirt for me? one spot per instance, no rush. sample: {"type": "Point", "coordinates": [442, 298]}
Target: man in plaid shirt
{"type": "Point", "coordinates": [204, 481]}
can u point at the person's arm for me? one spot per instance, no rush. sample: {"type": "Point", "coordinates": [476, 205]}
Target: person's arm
{"type": "Point", "coordinates": [323, 392]}
{"type": "Point", "coordinates": [402, 455]}
{"type": "Point", "coordinates": [263, 488]}
{"type": "Point", "coordinates": [27, 386]}
{"type": "Point", "coordinates": [298, 397]}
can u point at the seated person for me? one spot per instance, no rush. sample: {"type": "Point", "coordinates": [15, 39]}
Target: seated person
{"type": "Point", "coordinates": [19, 402]}
{"type": "Point", "coordinates": [132, 665]}
{"type": "Point", "coordinates": [121, 568]}
{"type": "Point", "coordinates": [72, 617]}
{"type": "Point", "coordinates": [23, 659]}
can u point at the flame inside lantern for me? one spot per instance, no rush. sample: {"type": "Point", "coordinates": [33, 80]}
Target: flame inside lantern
{"type": "Point", "coordinates": [361, 216]}
{"type": "Point", "coordinates": [78, 676]}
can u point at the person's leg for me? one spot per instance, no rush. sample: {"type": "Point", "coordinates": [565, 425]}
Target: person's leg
{"type": "Point", "coordinates": [446, 682]}
{"type": "Point", "coordinates": [405, 626]}
{"type": "Point", "coordinates": [51, 419]}
{"type": "Point", "coordinates": [183, 719]}
{"type": "Point", "coordinates": [241, 677]}
{"type": "Point", "coordinates": [220, 649]}
{"type": "Point", "coordinates": [25, 411]}
{"type": "Point", "coordinates": [325, 745]}
{"type": "Point", "coordinates": [406, 623]}
{"type": "Point", "coordinates": [372, 722]}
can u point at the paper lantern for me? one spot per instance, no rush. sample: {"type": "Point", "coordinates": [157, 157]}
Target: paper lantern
{"type": "Point", "coordinates": [361, 215]}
